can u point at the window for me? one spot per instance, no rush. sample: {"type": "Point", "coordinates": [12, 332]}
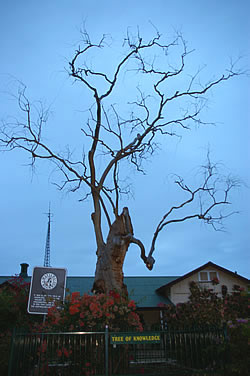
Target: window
{"type": "Point", "coordinates": [208, 276]}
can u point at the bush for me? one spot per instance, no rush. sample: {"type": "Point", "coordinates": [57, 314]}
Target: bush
{"type": "Point", "coordinates": [205, 308]}
{"type": "Point", "coordinates": [92, 313]}
{"type": "Point", "coordinates": [238, 348]}
{"type": "Point", "coordinates": [13, 313]}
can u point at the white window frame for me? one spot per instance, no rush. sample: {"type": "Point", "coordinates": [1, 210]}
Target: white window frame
{"type": "Point", "coordinates": [208, 275]}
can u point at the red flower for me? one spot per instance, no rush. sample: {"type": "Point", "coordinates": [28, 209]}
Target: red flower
{"type": "Point", "coordinates": [82, 314]}
{"type": "Point", "coordinates": [114, 294]}
{"type": "Point", "coordinates": [110, 302]}
{"type": "Point", "coordinates": [131, 304]}
{"type": "Point", "coordinates": [75, 296]}
{"type": "Point", "coordinates": [93, 307]}
{"type": "Point", "coordinates": [92, 310]}
{"type": "Point", "coordinates": [66, 353]}
{"type": "Point", "coordinates": [73, 309]}
{"type": "Point", "coordinates": [52, 311]}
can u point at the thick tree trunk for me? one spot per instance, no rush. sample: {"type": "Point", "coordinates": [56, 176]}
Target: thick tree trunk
{"type": "Point", "coordinates": [110, 257]}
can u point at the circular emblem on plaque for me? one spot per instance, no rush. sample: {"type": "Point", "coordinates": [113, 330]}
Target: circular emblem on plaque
{"type": "Point", "coordinates": [49, 281]}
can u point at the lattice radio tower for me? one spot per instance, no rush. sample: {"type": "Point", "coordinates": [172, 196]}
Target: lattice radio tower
{"type": "Point", "coordinates": [46, 262]}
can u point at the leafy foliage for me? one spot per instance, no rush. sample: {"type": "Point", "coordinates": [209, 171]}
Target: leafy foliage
{"type": "Point", "coordinates": [239, 350]}
{"type": "Point", "coordinates": [206, 308]}
{"type": "Point", "coordinates": [13, 313]}
{"type": "Point", "coordinates": [13, 303]}
{"type": "Point", "coordinates": [93, 312]}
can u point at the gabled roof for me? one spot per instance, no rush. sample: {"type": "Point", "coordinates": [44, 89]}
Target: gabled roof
{"type": "Point", "coordinates": [209, 264]}
{"type": "Point", "coordinates": [141, 289]}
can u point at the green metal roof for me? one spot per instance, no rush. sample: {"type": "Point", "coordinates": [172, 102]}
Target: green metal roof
{"type": "Point", "coordinates": [141, 289]}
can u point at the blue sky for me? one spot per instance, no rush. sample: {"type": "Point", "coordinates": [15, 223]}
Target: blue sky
{"type": "Point", "coordinates": [37, 40]}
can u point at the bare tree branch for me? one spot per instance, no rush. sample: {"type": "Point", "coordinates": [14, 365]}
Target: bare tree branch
{"type": "Point", "coordinates": [128, 132]}
{"type": "Point", "coordinates": [212, 193]}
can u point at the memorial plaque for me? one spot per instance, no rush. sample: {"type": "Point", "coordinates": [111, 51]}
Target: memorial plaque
{"type": "Point", "coordinates": [47, 287]}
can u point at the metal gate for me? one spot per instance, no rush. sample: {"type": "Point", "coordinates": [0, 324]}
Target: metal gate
{"type": "Point", "coordinates": [179, 352]}
{"type": "Point", "coordinates": [189, 352]}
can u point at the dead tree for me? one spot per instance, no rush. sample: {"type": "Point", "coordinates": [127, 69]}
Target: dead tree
{"type": "Point", "coordinates": [130, 136]}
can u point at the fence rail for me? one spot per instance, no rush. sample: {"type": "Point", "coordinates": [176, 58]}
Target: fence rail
{"type": "Point", "coordinates": [127, 353]}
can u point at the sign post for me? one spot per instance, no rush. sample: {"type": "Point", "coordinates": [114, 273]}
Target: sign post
{"type": "Point", "coordinates": [47, 287]}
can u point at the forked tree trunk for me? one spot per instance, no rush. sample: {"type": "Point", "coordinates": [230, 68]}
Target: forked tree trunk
{"type": "Point", "coordinates": [110, 257]}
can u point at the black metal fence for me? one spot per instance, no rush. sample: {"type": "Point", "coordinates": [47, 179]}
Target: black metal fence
{"type": "Point", "coordinates": [192, 352]}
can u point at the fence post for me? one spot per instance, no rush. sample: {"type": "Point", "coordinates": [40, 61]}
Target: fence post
{"type": "Point", "coordinates": [11, 352]}
{"type": "Point", "coordinates": [106, 350]}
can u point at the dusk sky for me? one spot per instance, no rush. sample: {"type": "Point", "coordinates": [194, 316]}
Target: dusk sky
{"type": "Point", "coordinates": [37, 40]}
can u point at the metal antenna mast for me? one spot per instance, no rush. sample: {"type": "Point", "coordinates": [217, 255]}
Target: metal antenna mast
{"type": "Point", "coordinates": [46, 262]}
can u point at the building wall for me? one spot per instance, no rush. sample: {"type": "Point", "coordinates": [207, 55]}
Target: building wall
{"type": "Point", "coordinates": [179, 292]}
{"type": "Point", "coordinates": [151, 318]}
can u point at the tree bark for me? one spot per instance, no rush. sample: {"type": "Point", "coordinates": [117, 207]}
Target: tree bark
{"type": "Point", "coordinates": [111, 255]}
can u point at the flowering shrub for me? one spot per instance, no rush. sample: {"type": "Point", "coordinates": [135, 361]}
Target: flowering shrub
{"type": "Point", "coordinates": [93, 312]}
{"type": "Point", "coordinates": [206, 308]}
{"type": "Point", "coordinates": [203, 308]}
{"type": "Point", "coordinates": [86, 313]}
{"type": "Point", "coordinates": [236, 305]}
